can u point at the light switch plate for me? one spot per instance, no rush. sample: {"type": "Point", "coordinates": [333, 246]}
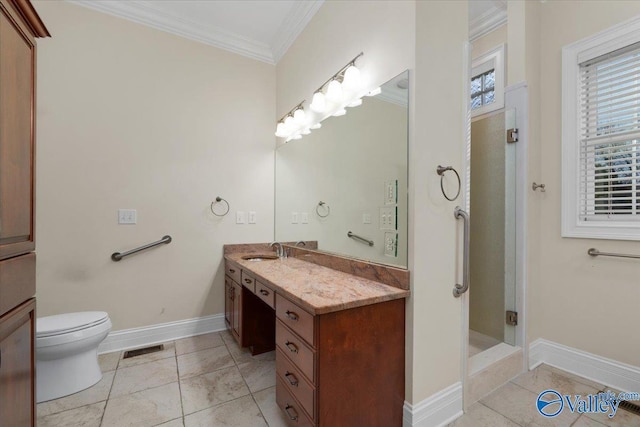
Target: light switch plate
{"type": "Point", "coordinates": [391, 244]}
{"type": "Point", "coordinates": [304, 217]}
{"type": "Point", "coordinates": [252, 217]}
{"type": "Point", "coordinates": [388, 218]}
{"type": "Point", "coordinates": [241, 217]}
{"type": "Point", "coordinates": [366, 218]}
{"type": "Point", "coordinates": [391, 192]}
{"type": "Point", "coordinates": [127, 216]}
{"type": "Point", "coordinates": [294, 217]}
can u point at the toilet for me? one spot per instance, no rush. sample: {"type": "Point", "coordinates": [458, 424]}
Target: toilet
{"type": "Point", "coordinates": [67, 352]}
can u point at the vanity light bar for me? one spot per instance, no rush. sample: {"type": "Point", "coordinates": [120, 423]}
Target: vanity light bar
{"type": "Point", "coordinates": [343, 89]}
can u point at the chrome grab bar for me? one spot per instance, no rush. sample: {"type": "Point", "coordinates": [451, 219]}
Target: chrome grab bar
{"type": "Point", "coordinates": [461, 289]}
{"type": "Point", "coordinates": [362, 239]}
{"type": "Point", "coordinates": [594, 252]}
{"type": "Point", "coordinates": [117, 256]}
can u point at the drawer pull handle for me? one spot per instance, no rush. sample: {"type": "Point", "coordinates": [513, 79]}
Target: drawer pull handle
{"type": "Point", "coordinates": [231, 270]}
{"type": "Point", "coordinates": [291, 346]}
{"type": "Point", "coordinates": [263, 292]}
{"type": "Point", "coordinates": [247, 280]}
{"type": "Point", "coordinates": [292, 417]}
{"type": "Point", "coordinates": [291, 378]}
{"type": "Point", "coordinates": [292, 315]}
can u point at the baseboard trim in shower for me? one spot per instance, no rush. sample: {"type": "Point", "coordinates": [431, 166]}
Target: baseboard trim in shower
{"type": "Point", "coordinates": [155, 334]}
{"type": "Point", "coordinates": [609, 372]}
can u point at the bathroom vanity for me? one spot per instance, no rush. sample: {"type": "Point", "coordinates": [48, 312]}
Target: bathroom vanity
{"type": "Point", "coordinates": [338, 332]}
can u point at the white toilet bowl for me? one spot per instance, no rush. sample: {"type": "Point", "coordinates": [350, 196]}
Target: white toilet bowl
{"type": "Point", "coordinates": [67, 352]}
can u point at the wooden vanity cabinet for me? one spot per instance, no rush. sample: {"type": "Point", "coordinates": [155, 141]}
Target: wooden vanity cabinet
{"type": "Point", "coordinates": [343, 368]}
{"type": "Point", "coordinates": [19, 27]}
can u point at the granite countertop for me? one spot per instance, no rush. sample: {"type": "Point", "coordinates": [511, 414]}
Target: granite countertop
{"type": "Point", "coordinates": [315, 288]}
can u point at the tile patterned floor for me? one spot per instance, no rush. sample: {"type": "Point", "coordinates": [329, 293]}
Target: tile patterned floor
{"type": "Point", "coordinates": [200, 381]}
{"type": "Point", "coordinates": [209, 381]}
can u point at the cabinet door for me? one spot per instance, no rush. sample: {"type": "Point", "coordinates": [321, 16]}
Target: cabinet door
{"type": "Point", "coordinates": [237, 311]}
{"type": "Point", "coordinates": [17, 124]}
{"type": "Point", "coordinates": [228, 301]}
{"type": "Point", "coordinates": [17, 389]}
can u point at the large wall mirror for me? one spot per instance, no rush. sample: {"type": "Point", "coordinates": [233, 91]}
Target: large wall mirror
{"type": "Point", "coordinates": [345, 184]}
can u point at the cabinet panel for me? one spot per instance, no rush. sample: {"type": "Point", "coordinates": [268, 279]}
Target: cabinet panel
{"type": "Point", "coordinates": [266, 294]}
{"type": "Point", "coordinates": [296, 350]}
{"type": "Point", "coordinates": [293, 410]}
{"type": "Point", "coordinates": [17, 388]}
{"type": "Point", "coordinates": [297, 385]}
{"type": "Point", "coordinates": [17, 281]}
{"type": "Point", "coordinates": [248, 281]}
{"type": "Point", "coordinates": [232, 271]}
{"type": "Point", "coordinates": [17, 77]}
{"type": "Point", "coordinates": [236, 318]}
{"type": "Point", "coordinates": [228, 302]}
{"type": "Point", "coordinates": [296, 318]}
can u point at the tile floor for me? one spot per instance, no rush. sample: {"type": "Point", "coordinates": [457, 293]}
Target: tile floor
{"type": "Point", "coordinates": [513, 404]}
{"type": "Point", "coordinates": [200, 381]}
{"type": "Point", "coordinates": [209, 381]}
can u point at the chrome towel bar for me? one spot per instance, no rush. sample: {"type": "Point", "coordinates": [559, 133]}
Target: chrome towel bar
{"type": "Point", "coordinates": [117, 256]}
{"type": "Point", "coordinates": [594, 252]}
{"type": "Point", "coordinates": [461, 289]}
{"type": "Point", "coordinates": [362, 239]}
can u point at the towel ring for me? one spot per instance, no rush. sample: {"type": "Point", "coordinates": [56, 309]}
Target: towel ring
{"type": "Point", "coordinates": [326, 207]}
{"type": "Point", "coordinates": [441, 170]}
{"type": "Point", "coordinates": [218, 200]}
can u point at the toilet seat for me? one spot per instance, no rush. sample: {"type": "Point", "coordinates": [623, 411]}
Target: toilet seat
{"type": "Point", "coordinates": [60, 324]}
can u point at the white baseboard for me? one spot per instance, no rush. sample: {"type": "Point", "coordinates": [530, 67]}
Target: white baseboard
{"type": "Point", "coordinates": [162, 332]}
{"type": "Point", "coordinates": [608, 372]}
{"type": "Point", "coordinates": [435, 411]}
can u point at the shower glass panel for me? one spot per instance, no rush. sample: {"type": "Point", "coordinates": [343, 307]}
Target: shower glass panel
{"type": "Point", "coordinates": [492, 209]}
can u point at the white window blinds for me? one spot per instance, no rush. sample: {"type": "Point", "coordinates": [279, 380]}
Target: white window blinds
{"type": "Point", "coordinates": [609, 166]}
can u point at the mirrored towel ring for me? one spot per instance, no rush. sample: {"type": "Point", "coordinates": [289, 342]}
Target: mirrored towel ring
{"type": "Point", "coordinates": [323, 210]}
{"type": "Point", "coordinates": [441, 170]}
{"type": "Point", "coordinates": [220, 200]}
{"type": "Point", "coordinates": [535, 186]}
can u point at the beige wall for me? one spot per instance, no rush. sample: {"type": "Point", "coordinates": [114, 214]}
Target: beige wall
{"type": "Point", "coordinates": [483, 44]}
{"type": "Point", "coordinates": [590, 304]}
{"type": "Point", "coordinates": [131, 117]}
{"type": "Point", "coordinates": [439, 138]}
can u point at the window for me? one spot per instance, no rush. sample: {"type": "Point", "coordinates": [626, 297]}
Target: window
{"type": "Point", "coordinates": [601, 135]}
{"type": "Point", "coordinates": [487, 84]}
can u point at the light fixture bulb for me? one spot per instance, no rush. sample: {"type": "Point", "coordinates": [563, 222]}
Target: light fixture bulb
{"type": "Point", "coordinates": [281, 130]}
{"type": "Point", "coordinates": [334, 91]}
{"type": "Point", "coordinates": [297, 136]}
{"type": "Point", "coordinates": [316, 126]}
{"type": "Point", "coordinates": [306, 131]}
{"type": "Point", "coordinates": [374, 92]}
{"type": "Point", "coordinates": [355, 103]}
{"type": "Point", "coordinates": [298, 116]}
{"type": "Point", "coordinates": [340, 112]}
{"type": "Point", "coordinates": [351, 78]}
{"type": "Point", "coordinates": [318, 103]}
{"type": "Point", "coordinates": [288, 124]}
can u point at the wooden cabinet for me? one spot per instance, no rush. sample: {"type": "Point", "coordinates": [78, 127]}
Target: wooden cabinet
{"type": "Point", "coordinates": [19, 26]}
{"type": "Point", "coordinates": [343, 368]}
{"type": "Point", "coordinates": [17, 385]}
{"type": "Point", "coordinates": [236, 318]}
{"type": "Point", "coordinates": [228, 302]}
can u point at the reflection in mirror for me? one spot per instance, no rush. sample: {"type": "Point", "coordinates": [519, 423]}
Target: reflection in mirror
{"type": "Point", "coordinates": [345, 184]}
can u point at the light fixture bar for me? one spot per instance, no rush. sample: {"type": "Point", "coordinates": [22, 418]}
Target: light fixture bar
{"type": "Point", "coordinates": [293, 110]}
{"type": "Point", "coordinates": [342, 70]}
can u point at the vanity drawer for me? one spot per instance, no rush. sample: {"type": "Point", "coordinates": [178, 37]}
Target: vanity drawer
{"type": "Point", "coordinates": [232, 271]}
{"type": "Point", "coordinates": [17, 281]}
{"type": "Point", "coordinates": [296, 350]}
{"type": "Point", "coordinates": [266, 294]}
{"type": "Point", "coordinates": [296, 384]}
{"type": "Point", "coordinates": [293, 411]}
{"type": "Point", "coordinates": [248, 281]}
{"type": "Point", "coordinates": [296, 318]}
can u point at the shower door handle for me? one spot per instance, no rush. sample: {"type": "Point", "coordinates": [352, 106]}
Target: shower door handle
{"type": "Point", "coordinates": [461, 289]}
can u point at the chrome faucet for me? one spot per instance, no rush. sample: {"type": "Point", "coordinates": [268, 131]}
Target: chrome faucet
{"type": "Point", "coordinates": [301, 243]}
{"type": "Point", "coordinates": [279, 249]}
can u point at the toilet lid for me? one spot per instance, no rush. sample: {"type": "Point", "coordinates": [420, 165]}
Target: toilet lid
{"type": "Point", "coordinates": [68, 322]}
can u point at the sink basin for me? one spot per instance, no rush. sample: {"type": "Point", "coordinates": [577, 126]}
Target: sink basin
{"type": "Point", "coordinates": [259, 257]}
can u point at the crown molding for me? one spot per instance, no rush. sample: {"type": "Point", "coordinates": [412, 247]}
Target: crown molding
{"type": "Point", "coordinates": [295, 22]}
{"type": "Point", "coordinates": [142, 12]}
{"type": "Point", "coordinates": [487, 22]}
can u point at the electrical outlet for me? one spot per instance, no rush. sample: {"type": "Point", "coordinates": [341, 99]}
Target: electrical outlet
{"type": "Point", "coordinates": [241, 217]}
{"type": "Point", "coordinates": [387, 218]}
{"type": "Point", "coordinates": [391, 244]}
{"type": "Point", "coordinates": [391, 192]}
{"type": "Point", "coordinates": [366, 218]}
{"type": "Point", "coordinates": [127, 216]}
{"type": "Point", "coordinates": [252, 217]}
{"type": "Point", "coordinates": [294, 217]}
{"type": "Point", "coordinates": [304, 217]}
